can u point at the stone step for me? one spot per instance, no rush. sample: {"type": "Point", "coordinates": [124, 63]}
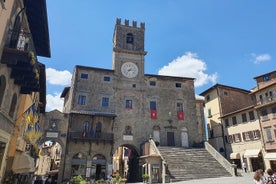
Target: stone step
{"type": "Point", "coordinates": [186, 164]}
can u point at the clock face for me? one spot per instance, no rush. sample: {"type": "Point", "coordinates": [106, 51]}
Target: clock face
{"type": "Point", "coordinates": [129, 70]}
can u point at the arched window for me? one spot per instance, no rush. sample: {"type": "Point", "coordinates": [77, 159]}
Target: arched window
{"type": "Point", "coordinates": [2, 88]}
{"type": "Point", "coordinates": [13, 105]}
{"type": "Point", "coordinates": [129, 38]}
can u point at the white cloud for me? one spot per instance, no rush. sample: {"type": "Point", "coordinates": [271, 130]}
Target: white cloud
{"type": "Point", "coordinates": [56, 77]}
{"type": "Point", "coordinates": [189, 65]}
{"type": "Point", "coordinates": [54, 102]}
{"type": "Point", "coordinates": [260, 58]}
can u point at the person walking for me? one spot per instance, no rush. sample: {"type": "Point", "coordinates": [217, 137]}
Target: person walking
{"type": "Point", "coordinates": [244, 166]}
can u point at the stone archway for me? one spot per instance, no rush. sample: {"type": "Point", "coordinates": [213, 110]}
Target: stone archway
{"type": "Point", "coordinates": [126, 163]}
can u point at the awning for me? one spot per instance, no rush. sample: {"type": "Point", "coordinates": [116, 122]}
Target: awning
{"type": "Point", "coordinates": [235, 156]}
{"type": "Point", "coordinates": [251, 153]}
{"type": "Point", "coordinates": [23, 163]}
{"type": "Point", "coordinates": [270, 156]}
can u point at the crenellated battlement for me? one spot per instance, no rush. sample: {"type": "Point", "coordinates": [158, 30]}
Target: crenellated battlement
{"type": "Point", "coordinates": [134, 23]}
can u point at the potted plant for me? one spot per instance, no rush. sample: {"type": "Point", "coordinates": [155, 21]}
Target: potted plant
{"type": "Point", "coordinates": [145, 178]}
{"type": "Point", "coordinates": [79, 180]}
{"type": "Point", "coordinates": [118, 179]}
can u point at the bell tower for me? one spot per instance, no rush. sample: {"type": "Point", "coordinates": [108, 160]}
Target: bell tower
{"type": "Point", "coordinates": [128, 50]}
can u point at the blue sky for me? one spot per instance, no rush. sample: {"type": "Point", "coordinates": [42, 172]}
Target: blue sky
{"type": "Point", "coordinates": [215, 41]}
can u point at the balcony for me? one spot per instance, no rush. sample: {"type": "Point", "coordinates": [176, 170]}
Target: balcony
{"type": "Point", "coordinates": [100, 137]}
{"type": "Point", "coordinates": [25, 69]}
{"type": "Point", "coordinates": [266, 101]}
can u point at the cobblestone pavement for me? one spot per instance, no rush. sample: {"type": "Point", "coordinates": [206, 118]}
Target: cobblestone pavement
{"type": "Point", "coordinates": [246, 178]}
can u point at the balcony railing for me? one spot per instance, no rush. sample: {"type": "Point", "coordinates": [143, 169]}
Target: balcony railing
{"type": "Point", "coordinates": [19, 55]}
{"type": "Point", "coordinates": [96, 137]}
{"type": "Point", "coordinates": [266, 100]}
{"type": "Point", "coordinates": [25, 69]}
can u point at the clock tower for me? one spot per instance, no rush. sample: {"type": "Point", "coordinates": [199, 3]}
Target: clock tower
{"type": "Point", "coordinates": [128, 50]}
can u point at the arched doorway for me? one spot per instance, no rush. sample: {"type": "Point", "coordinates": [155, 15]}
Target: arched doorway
{"type": "Point", "coordinates": [78, 164]}
{"type": "Point", "coordinates": [156, 135]}
{"type": "Point", "coordinates": [98, 170]}
{"type": "Point", "coordinates": [184, 138]}
{"type": "Point", "coordinates": [126, 163]}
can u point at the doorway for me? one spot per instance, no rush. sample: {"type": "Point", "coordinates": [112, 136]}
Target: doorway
{"type": "Point", "coordinates": [170, 139]}
{"type": "Point", "coordinates": [184, 138]}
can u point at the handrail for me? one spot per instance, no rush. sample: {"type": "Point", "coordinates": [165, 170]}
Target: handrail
{"type": "Point", "coordinates": [231, 168]}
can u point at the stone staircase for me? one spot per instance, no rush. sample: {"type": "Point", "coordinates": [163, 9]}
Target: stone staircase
{"type": "Point", "coordinates": [187, 164]}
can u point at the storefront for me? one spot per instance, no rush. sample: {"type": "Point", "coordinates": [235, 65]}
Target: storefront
{"type": "Point", "coordinates": [270, 160]}
{"type": "Point", "coordinates": [254, 159]}
{"type": "Point", "coordinates": [236, 158]}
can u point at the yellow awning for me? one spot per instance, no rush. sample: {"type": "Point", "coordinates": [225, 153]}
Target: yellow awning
{"type": "Point", "coordinates": [251, 153]}
{"type": "Point", "coordinates": [235, 156]}
{"type": "Point", "coordinates": [270, 156]}
{"type": "Point", "coordinates": [23, 163]}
